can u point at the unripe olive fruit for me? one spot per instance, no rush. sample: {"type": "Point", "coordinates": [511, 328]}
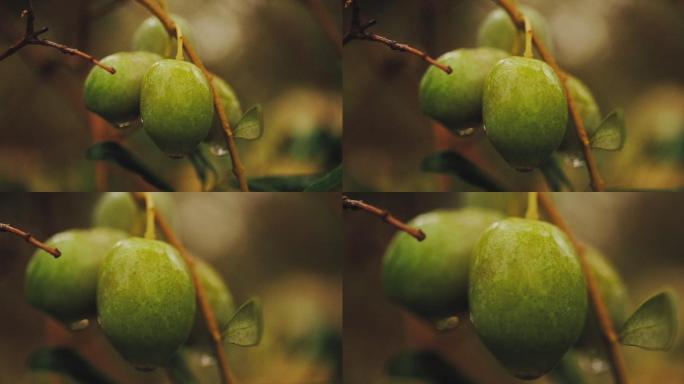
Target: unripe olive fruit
{"type": "Point", "coordinates": [176, 106]}
{"type": "Point", "coordinates": [498, 31]}
{"type": "Point", "coordinates": [220, 300]}
{"type": "Point", "coordinates": [430, 277]}
{"type": "Point", "coordinates": [589, 112]}
{"type": "Point", "coordinates": [614, 294]}
{"type": "Point", "coordinates": [119, 210]}
{"type": "Point", "coordinates": [145, 301]}
{"type": "Point", "coordinates": [233, 110]}
{"type": "Point", "coordinates": [151, 36]}
{"type": "Point", "coordinates": [528, 296]}
{"type": "Point", "coordinates": [117, 97]}
{"type": "Point", "coordinates": [65, 287]}
{"type": "Point", "coordinates": [525, 111]}
{"type": "Point", "coordinates": [455, 100]}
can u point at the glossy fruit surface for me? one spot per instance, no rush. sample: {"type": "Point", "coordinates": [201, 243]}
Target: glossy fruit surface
{"type": "Point", "coordinates": [151, 36]}
{"type": "Point", "coordinates": [65, 287]}
{"type": "Point", "coordinates": [145, 301]}
{"type": "Point", "coordinates": [220, 300]}
{"type": "Point", "coordinates": [525, 111]}
{"type": "Point", "coordinates": [588, 110]}
{"type": "Point", "coordinates": [117, 97]}
{"type": "Point", "coordinates": [528, 297]}
{"type": "Point", "coordinates": [497, 30]}
{"type": "Point", "coordinates": [430, 277]}
{"type": "Point", "coordinates": [455, 100]}
{"type": "Point", "coordinates": [176, 106]}
{"type": "Point", "coordinates": [119, 210]}
{"type": "Point", "coordinates": [232, 108]}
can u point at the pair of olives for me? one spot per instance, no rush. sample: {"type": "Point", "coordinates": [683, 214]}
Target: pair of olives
{"type": "Point", "coordinates": [139, 289]}
{"type": "Point", "coordinates": [520, 100]}
{"type": "Point", "coordinates": [171, 97]}
{"type": "Point", "coordinates": [520, 280]}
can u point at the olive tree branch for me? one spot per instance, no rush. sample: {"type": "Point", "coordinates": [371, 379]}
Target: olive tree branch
{"type": "Point", "coordinates": [205, 308]}
{"type": "Point", "coordinates": [384, 215]}
{"type": "Point", "coordinates": [30, 239]}
{"type": "Point", "coordinates": [32, 37]}
{"type": "Point", "coordinates": [518, 19]}
{"type": "Point", "coordinates": [358, 30]}
{"type": "Point", "coordinates": [328, 25]}
{"type": "Point", "coordinates": [170, 26]}
{"type": "Point", "coordinates": [605, 323]}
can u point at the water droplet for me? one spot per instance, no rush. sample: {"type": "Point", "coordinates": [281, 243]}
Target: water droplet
{"type": "Point", "coordinates": [207, 360]}
{"type": "Point", "coordinates": [464, 132]}
{"type": "Point", "coordinates": [598, 365]}
{"type": "Point", "coordinates": [123, 125]}
{"type": "Point", "coordinates": [218, 149]}
{"type": "Point", "coordinates": [79, 325]}
{"type": "Point", "coordinates": [576, 162]}
{"type": "Point", "coordinates": [447, 324]}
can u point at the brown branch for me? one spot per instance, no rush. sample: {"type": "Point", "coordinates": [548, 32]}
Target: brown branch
{"type": "Point", "coordinates": [32, 37]}
{"type": "Point", "coordinates": [605, 323]}
{"type": "Point", "coordinates": [30, 239]}
{"type": "Point", "coordinates": [328, 25]}
{"type": "Point", "coordinates": [358, 30]}
{"type": "Point", "coordinates": [207, 313]}
{"type": "Point", "coordinates": [597, 183]}
{"type": "Point", "coordinates": [170, 26]}
{"type": "Point", "coordinates": [384, 215]}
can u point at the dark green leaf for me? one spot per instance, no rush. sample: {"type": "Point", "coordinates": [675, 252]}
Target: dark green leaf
{"type": "Point", "coordinates": [203, 167]}
{"type": "Point", "coordinates": [68, 362]}
{"type": "Point", "coordinates": [428, 366]}
{"type": "Point", "coordinates": [330, 182]}
{"type": "Point", "coordinates": [455, 164]}
{"type": "Point", "coordinates": [295, 183]}
{"type": "Point", "coordinates": [610, 135]}
{"type": "Point", "coordinates": [251, 125]}
{"type": "Point", "coordinates": [246, 326]}
{"type": "Point", "coordinates": [555, 176]}
{"type": "Point", "coordinates": [653, 325]}
{"type": "Point", "coordinates": [179, 371]}
{"type": "Point", "coordinates": [115, 153]}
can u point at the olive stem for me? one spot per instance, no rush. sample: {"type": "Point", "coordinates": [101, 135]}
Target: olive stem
{"type": "Point", "coordinates": [532, 212]}
{"type": "Point", "coordinates": [384, 215]}
{"type": "Point", "coordinates": [149, 209]}
{"type": "Point", "coordinates": [597, 183]}
{"type": "Point", "coordinates": [29, 238]}
{"type": "Point", "coordinates": [179, 38]}
{"type": "Point", "coordinates": [528, 39]}
{"type": "Point", "coordinates": [205, 308]}
{"type": "Point", "coordinates": [170, 26]}
{"type": "Point", "coordinates": [596, 299]}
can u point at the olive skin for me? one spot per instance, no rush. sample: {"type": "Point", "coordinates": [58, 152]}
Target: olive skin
{"type": "Point", "coordinates": [430, 277]}
{"type": "Point", "coordinates": [220, 301]}
{"type": "Point", "coordinates": [589, 112]}
{"type": "Point", "coordinates": [497, 30]}
{"type": "Point", "coordinates": [176, 105]}
{"type": "Point", "coordinates": [528, 296]}
{"type": "Point", "coordinates": [232, 108]}
{"type": "Point", "coordinates": [116, 98]}
{"type": "Point", "coordinates": [151, 36]}
{"type": "Point", "coordinates": [119, 210]}
{"type": "Point", "coordinates": [525, 111]}
{"type": "Point", "coordinates": [455, 100]}
{"type": "Point", "coordinates": [145, 301]}
{"type": "Point", "coordinates": [65, 287]}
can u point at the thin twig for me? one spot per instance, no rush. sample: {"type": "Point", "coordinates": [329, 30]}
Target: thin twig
{"type": "Point", "coordinates": [605, 323]}
{"type": "Point", "coordinates": [358, 30]}
{"type": "Point", "coordinates": [331, 30]}
{"type": "Point", "coordinates": [30, 239]}
{"type": "Point", "coordinates": [597, 183]}
{"type": "Point", "coordinates": [32, 37]}
{"type": "Point", "coordinates": [170, 26]}
{"type": "Point", "coordinates": [205, 308]}
{"type": "Point", "coordinates": [384, 215]}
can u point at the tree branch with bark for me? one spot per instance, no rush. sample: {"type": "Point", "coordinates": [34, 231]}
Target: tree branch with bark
{"type": "Point", "coordinates": [29, 238]}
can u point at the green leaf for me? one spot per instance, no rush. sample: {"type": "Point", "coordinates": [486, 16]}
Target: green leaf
{"type": "Point", "coordinates": [555, 176]}
{"type": "Point", "coordinates": [117, 154]}
{"type": "Point", "coordinates": [330, 182]}
{"type": "Point", "coordinates": [68, 362]}
{"type": "Point", "coordinates": [179, 371]}
{"type": "Point", "coordinates": [610, 135]}
{"type": "Point", "coordinates": [453, 163]}
{"type": "Point", "coordinates": [203, 167]}
{"type": "Point", "coordinates": [653, 325]}
{"type": "Point", "coordinates": [296, 183]}
{"type": "Point", "coordinates": [246, 326]}
{"type": "Point", "coordinates": [251, 125]}
{"type": "Point", "coordinates": [424, 365]}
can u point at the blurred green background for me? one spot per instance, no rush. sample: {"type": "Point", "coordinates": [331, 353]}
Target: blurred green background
{"type": "Point", "coordinates": [273, 53]}
{"type": "Point", "coordinates": [284, 248]}
{"type": "Point", "coordinates": [639, 233]}
{"type": "Point", "coordinates": [628, 52]}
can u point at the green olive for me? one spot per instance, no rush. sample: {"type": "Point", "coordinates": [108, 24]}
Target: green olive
{"type": "Point", "coordinates": [589, 112]}
{"type": "Point", "coordinates": [151, 36]}
{"type": "Point", "coordinates": [231, 106]}
{"type": "Point", "coordinates": [498, 31]}
{"type": "Point", "coordinates": [119, 210]}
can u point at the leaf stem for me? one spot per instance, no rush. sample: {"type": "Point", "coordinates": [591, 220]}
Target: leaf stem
{"type": "Point", "coordinates": [29, 238]}
{"type": "Point", "coordinates": [528, 39]}
{"type": "Point", "coordinates": [179, 38]}
{"type": "Point", "coordinates": [384, 215]}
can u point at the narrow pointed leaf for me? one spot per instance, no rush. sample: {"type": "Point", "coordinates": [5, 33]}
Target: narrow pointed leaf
{"type": "Point", "coordinates": [179, 371]}
{"type": "Point", "coordinates": [251, 126]}
{"type": "Point", "coordinates": [610, 135]}
{"type": "Point", "coordinates": [117, 154]}
{"type": "Point", "coordinates": [246, 326]}
{"type": "Point", "coordinates": [203, 167]}
{"type": "Point", "coordinates": [452, 163]}
{"type": "Point", "coordinates": [68, 362]}
{"type": "Point", "coordinates": [295, 183]}
{"type": "Point", "coordinates": [555, 176]}
{"type": "Point", "coordinates": [653, 325]}
{"type": "Point", "coordinates": [329, 182]}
